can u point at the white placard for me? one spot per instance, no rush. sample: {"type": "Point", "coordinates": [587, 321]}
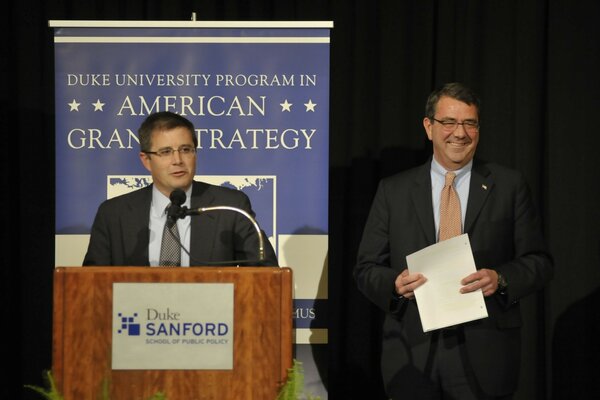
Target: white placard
{"type": "Point", "coordinates": [172, 326]}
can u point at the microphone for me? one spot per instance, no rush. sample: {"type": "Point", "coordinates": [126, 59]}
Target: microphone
{"type": "Point", "coordinates": [175, 211]}
{"type": "Point", "coordinates": [261, 243]}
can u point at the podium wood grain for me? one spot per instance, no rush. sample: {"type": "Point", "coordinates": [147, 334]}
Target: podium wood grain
{"type": "Point", "coordinates": [82, 335]}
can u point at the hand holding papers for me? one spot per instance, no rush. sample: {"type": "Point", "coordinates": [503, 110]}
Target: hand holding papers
{"type": "Point", "coordinates": [440, 302]}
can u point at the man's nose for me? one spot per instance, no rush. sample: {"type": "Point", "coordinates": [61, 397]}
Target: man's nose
{"type": "Point", "coordinates": [460, 131]}
{"type": "Point", "coordinates": [176, 157]}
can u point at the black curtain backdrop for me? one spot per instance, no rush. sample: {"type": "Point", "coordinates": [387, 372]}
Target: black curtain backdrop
{"type": "Point", "coordinates": [535, 64]}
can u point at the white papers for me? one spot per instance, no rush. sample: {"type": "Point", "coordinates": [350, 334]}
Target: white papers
{"type": "Point", "coordinates": [440, 302]}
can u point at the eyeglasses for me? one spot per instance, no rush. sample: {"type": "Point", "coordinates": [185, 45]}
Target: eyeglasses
{"type": "Point", "coordinates": [450, 125]}
{"type": "Point", "coordinates": [169, 151]}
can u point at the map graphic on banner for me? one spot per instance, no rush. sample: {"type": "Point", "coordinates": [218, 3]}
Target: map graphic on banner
{"type": "Point", "coordinates": [259, 100]}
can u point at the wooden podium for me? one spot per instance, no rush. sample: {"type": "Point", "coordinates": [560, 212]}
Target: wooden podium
{"type": "Point", "coordinates": [83, 328]}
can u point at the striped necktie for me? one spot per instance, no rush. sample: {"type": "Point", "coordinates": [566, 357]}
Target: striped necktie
{"type": "Point", "coordinates": [170, 250]}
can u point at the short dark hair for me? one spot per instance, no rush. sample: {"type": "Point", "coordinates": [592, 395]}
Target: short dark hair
{"type": "Point", "coordinates": [453, 90]}
{"type": "Point", "coordinates": [162, 120]}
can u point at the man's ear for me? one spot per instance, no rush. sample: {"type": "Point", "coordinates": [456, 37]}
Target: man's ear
{"type": "Point", "coordinates": [428, 126]}
{"type": "Point", "coordinates": [145, 159]}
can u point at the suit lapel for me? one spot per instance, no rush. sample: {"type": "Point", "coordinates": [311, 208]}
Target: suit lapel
{"type": "Point", "coordinates": [421, 198]}
{"type": "Point", "coordinates": [136, 234]}
{"type": "Point", "coordinates": [481, 186]}
{"type": "Point", "coordinates": [203, 225]}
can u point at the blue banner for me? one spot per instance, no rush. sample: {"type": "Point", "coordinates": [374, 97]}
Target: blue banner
{"type": "Point", "coordinates": [259, 99]}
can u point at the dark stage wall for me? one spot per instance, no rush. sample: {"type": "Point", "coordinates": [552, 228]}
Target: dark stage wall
{"type": "Point", "coordinates": [535, 65]}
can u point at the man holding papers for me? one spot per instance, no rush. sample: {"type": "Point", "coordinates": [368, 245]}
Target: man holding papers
{"type": "Point", "coordinates": [502, 252]}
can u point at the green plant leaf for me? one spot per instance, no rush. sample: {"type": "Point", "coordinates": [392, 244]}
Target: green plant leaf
{"type": "Point", "coordinates": [293, 389]}
{"type": "Point", "coordinates": [105, 390]}
{"type": "Point", "coordinates": [51, 393]}
{"type": "Point", "coordinates": [158, 396]}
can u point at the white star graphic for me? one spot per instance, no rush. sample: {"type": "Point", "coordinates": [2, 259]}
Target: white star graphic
{"type": "Point", "coordinates": [74, 105]}
{"type": "Point", "coordinates": [285, 106]}
{"type": "Point", "coordinates": [98, 106]}
{"type": "Point", "coordinates": [310, 106]}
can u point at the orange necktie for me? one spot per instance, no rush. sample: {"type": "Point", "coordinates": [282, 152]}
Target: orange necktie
{"type": "Point", "coordinates": [450, 219]}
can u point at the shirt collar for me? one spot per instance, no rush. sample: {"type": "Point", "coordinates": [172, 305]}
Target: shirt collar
{"type": "Point", "coordinates": [439, 171]}
{"type": "Point", "coordinates": [160, 202]}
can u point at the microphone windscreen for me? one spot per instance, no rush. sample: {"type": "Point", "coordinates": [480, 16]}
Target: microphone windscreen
{"type": "Point", "coordinates": [177, 197]}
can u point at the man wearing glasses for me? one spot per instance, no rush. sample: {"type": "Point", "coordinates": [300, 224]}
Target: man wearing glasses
{"type": "Point", "coordinates": [473, 360]}
{"type": "Point", "coordinates": [129, 229]}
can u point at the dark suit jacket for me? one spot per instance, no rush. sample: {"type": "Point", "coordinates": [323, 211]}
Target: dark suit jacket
{"type": "Point", "coordinates": [505, 235]}
{"type": "Point", "coordinates": [120, 233]}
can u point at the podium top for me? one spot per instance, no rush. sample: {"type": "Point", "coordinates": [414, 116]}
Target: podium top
{"type": "Point", "coordinates": [161, 270]}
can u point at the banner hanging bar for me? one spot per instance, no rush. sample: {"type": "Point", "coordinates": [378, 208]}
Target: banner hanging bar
{"type": "Point", "coordinates": [189, 24]}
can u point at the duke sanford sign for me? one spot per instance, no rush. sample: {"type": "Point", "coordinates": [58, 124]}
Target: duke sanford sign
{"type": "Point", "coordinates": [172, 326]}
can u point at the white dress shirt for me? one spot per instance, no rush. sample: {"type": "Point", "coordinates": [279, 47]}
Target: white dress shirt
{"type": "Point", "coordinates": [158, 218]}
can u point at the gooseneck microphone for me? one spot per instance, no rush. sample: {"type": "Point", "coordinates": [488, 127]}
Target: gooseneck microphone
{"type": "Point", "coordinates": [177, 211]}
{"type": "Point", "coordinates": [261, 243]}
